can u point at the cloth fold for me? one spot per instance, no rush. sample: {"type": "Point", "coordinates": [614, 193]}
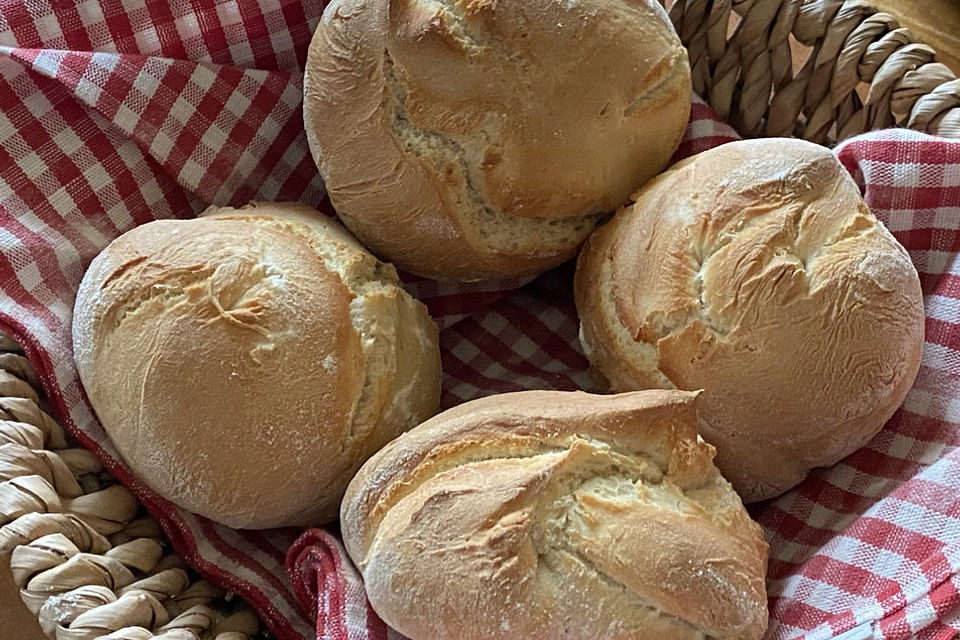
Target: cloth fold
{"type": "Point", "coordinates": [114, 113]}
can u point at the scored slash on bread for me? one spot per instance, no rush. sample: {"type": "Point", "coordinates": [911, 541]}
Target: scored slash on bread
{"type": "Point", "coordinates": [557, 515]}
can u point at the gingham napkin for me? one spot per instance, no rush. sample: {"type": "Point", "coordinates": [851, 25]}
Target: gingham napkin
{"type": "Point", "coordinates": [116, 113]}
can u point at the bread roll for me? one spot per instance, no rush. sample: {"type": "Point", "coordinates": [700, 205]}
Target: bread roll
{"type": "Point", "coordinates": [247, 362]}
{"type": "Point", "coordinates": [467, 140]}
{"type": "Point", "coordinates": [756, 272]}
{"type": "Point", "coordinates": [548, 514]}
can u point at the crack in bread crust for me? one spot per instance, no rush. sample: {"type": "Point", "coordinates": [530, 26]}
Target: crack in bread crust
{"type": "Point", "coordinates": [585, 467]}
{"type": "Point", "coordinates": [172, 290]}
{"type": "Point", "coordinates": [558, 539]}
{"type": "Point", "coordinates": [441, 461]}
{"type": "Point", "coordinates": [785, 245]}
{"type": "Point", "coordinates": [480, 220]}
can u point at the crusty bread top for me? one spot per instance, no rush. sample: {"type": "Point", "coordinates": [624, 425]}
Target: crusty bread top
{"type": "Point", "coordinates": [756, 272]}
{"type": "Point", "coordinates": [476, 139]}
{"type": "Point", "coordinates": [245, 363]}
{"type": "Point", "coordinates": [557, 514]}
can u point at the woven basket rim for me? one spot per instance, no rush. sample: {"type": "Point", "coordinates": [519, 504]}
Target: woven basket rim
{"type": "Point", "coordinates": [862, 70]}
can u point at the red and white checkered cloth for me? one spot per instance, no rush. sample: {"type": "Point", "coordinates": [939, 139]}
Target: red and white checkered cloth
{"type": "Point", "coordinates": [114, 113]}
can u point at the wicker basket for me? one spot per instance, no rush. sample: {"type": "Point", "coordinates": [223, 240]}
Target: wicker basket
{"type": "Point", "coordinates": [90, 563]}
{"type": "Point", "coordinates": [822, 70]}
{"type": "Point", "coordinates": [88, 560]}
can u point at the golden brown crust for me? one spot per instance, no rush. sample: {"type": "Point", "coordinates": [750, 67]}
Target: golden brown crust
{"type": "Point", "coordinates": [247, 362]}
{"type": "Point", "coordinates": [556, 514]}
{"type": "Point", "coordinates": [470, 140]}
{"type": "Point", "coordinates": [755, 272]}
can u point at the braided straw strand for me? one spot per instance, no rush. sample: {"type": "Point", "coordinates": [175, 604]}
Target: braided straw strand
{"type": "Point", "coordinates": [89, 562]}
{"type": "Point", "coordinates": [862, 71]}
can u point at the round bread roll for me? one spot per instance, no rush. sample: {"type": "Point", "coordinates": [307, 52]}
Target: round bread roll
{"type": "Point", "coordinates": [468, 140]}
{"type": "Point", "coordinates": [549, 514]}
{"type": "Point", "coordinates": [755, 272]}
{"type": "Point", "coordinates": [247, 362]}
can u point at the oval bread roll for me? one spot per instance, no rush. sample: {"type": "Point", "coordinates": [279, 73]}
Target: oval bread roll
{"type": "Point", "coordinates": [467, 140]}
{"type": "Point", "coordinates": [247, 362]}
{"type": "Point", "coordinates": [548, 514]}
{"type": "Point", "coordinates": [756, 272]}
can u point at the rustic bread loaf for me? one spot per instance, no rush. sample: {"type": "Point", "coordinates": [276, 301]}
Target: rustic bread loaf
{"type": "Point", "coordinates": [755, 272]}
{"type": "Point", "coordinates": [465, 140]}
{"type": "Point", "coordinates": [246, 363]}
{"type": "Point", "coordinates": [547, 514]}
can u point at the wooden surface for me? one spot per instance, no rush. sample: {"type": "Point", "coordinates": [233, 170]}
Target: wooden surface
{"type": "Point", "coordinates": [936, 22]}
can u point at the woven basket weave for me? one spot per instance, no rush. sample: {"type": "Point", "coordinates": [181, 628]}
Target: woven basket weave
{"type": "Point", "coordinates": [90, 563]}
{"type": "Point", "coordinates": [822, 70]}
{"type": "Point", "coordinates": [87, 558]}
